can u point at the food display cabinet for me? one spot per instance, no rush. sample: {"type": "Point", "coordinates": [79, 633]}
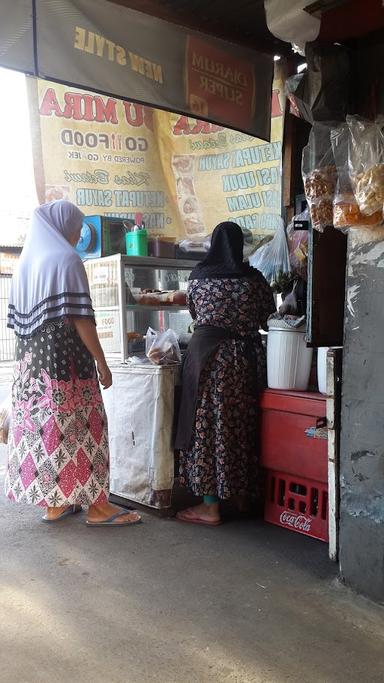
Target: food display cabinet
{"type": "Point", "coordinates": [132, 293]}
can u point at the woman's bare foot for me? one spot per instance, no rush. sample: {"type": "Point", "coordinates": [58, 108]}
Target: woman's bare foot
{"type": "Point", "coordinates": [97, 514]}
{"type": "Point", "coordinates": [54, 513]}
{"type": "Point", "coordinates": [57, 513]}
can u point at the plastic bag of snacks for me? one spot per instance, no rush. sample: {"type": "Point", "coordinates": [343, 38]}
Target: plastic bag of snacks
{"type": "Point", "coordinates": [272, 258]}
{"type": "Point", "coordinates": [5, 417]}
{"type": "Point", "coordinates": [162, 348]}
{"type": "Point", "coordinates": [319, 176]}
{"type": "Point", "coordinates": [346, 211]}
{"type": "Point", "coordinates": [298, 245]}
{"type": "Point", "coordinates": [366, 164]}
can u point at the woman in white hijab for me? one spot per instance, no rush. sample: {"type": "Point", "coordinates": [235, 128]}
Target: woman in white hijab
{"type": "Point", "coordinates": [58, 442]}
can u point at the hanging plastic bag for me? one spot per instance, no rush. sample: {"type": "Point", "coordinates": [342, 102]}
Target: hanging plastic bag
{"type": "Point", "coordinates": [5, 418]}
{"type": "Point", "coordinates": [322, 93]}
{"type": "Point", "coordinates": [292, 88]}
{"type": "Point", "coordinates": [272, 259]}
{"type": "Point", "coordinates": [346, 211]}
{"type": "Point", "coordinates": [319, 176]}
{"type": "Point", "coordinates": [291, 24]}
{"type": "Point", "coordinates": [298, 245]}
{"type": "Point", "coordinates": [162, 348]}
{"type": "Point", "coordinates": [289, 305]}
{"type": "Point", "coordinates": [366, 164]}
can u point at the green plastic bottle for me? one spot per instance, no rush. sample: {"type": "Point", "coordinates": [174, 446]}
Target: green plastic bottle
{"type": "Point", "coordinates": [136, 242]}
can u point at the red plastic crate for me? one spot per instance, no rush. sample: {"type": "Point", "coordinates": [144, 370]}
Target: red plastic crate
{"type": "Point", "coordinates": [289, 423]}
{"type": "Point", "coordinates": [297, 504]}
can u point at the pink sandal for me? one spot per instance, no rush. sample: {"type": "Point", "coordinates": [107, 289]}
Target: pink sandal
{"type": "Point", "coordinates": [191, 517]}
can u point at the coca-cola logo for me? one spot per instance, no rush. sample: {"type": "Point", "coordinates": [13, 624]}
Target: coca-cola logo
{"type": "Point", "coordinates": [299, 522]}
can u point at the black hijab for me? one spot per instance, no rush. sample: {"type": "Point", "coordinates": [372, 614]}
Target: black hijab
{"type": "Point", "coordinates": [225, 256]}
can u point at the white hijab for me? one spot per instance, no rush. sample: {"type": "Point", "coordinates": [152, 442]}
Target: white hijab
{"type": "Point", "coordinates": [51, 281]}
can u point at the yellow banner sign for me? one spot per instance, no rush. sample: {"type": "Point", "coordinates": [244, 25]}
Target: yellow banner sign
{"type": "Point", "coordinates": [118, 158]}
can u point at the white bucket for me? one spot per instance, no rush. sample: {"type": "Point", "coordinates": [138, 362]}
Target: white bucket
{"type": "Point", "coordinates": [322, 368]}
{"type": "Point", "coordinates": [289, 359]}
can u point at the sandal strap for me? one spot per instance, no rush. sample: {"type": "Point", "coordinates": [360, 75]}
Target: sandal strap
{"type": "Point", "coordinates": [121, 513]}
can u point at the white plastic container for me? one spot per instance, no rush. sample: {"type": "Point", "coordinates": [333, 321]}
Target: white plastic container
{"type": "Point", "coordinates": [322, 368]}
{"type": "Point", "coordinates": [289, 359]}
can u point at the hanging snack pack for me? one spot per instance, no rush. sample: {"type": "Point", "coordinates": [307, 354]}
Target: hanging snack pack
{"type": "Point", "coordinates": [319, 176]}
{"type": "Point", "coordinates": [272, 258]}
{"type": "Point", "coordinates": [346, 210]}
{"type": "Point", "coordinates": [366, 164]}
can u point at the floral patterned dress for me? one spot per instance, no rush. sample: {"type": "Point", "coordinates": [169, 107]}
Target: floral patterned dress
{"type": "Point", "coordinates": [58, 442]}
{"type": "Point", "coordinates": [222, 459]}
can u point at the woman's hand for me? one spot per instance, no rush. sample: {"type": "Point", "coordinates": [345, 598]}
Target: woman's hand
{"type": "Point", "coordinates": [105, 375]}
{"type": "Point", "coordinates": [86, 329]}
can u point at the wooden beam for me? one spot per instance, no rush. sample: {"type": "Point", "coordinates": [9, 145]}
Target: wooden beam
{"type": "Point", "coordinates": [288, 159]}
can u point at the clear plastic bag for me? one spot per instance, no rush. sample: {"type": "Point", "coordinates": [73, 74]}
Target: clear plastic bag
{"type": "Point", "coordinates": [366, 164]}
{"type": "Point", "coordinates": [298, 246]}
{"type": "Point", "coordinates": [5, 418]}
{"type": "Point", "coordinates": [346, 210]}
{"type": "Point", "coordinates": [292, 88]}
{"type": "Point", "coordinates": [189, 245]}
{"type": "Point", "coordinates": [162, 348]}
{"type": "Point", "coordinates": [272, 258]}
{"type": "Point", "coordinates": [319, 176]}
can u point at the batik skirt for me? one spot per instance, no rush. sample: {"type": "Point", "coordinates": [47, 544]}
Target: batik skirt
{"type": "Point", "coordinates": [58, 440]}
{"type": "Point", "coordinates": [223, 456]}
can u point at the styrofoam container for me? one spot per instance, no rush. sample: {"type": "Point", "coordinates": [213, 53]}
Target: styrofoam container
{"type": "Point", "coordinates": [289, 359]}
{"type": "Point", "coordinates": [322, 368]}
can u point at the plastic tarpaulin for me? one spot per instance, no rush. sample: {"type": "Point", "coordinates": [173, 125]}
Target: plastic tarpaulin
{"type": "Point", "coordinates": [16, 35]}
{"type": "Point", "coordinates": [139, 408]}
{"type": "Point", "coordinates": [118, 51]}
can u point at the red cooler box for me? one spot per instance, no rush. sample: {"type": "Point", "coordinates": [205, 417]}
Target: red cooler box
{"type": "Point", "coordinates": [294, 453]}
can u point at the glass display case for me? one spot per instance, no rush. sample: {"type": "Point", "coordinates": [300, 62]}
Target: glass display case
{"type": "Point", "coordinates": [132, 293]}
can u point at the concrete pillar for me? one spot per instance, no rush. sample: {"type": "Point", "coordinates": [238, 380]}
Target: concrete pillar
{"type": "Point", "coordinates": [362, 419]}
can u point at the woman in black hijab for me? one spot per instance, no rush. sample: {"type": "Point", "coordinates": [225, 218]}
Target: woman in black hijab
{"type": "Point", "coordinates": [223, 372]}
